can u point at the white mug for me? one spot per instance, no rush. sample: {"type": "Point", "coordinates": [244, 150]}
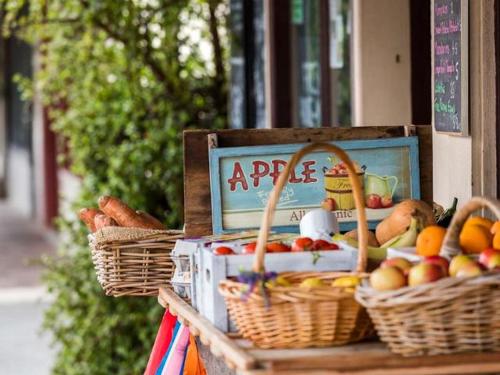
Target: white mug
{"type": "Point", "coordinates": [319, 224]}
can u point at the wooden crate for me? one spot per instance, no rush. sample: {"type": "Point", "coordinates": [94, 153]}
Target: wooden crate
{"type": "Point", "coordinates": [197, 199]}
{"type": "Point", "coordinates": [209, 269]}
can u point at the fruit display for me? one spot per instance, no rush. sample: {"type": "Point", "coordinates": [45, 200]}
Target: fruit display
{"type": "Point", "coordinates": [429, 240]}
{"type": "Point", "coordinates": [400, 218]}
{"type": "Point", "coordinates": [300, 244]}
{"type": "Point", "coordinates": [407, 238]}
{"type": "Point", "coordinates": [387, 278]}
{"type": "Point", "coordinates": [396, 273]}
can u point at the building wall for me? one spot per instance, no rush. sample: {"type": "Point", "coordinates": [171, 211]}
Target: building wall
{"type": "Point", "coordinates": [381, 62]}
{"type": "Point", "coordinates": [452, 168]}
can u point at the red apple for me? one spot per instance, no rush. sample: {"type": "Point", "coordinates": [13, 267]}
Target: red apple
{"type": "Point", "coordinates": [490, 258]}
{"type": "Point", "coordinates": [373, 201]}
{"type": "Point", "coordinates": [386, 201]}
{"type": "Point", "coordinates": [323, 245]}
{"type": "Point", "coordinates": [329, 204]}
{"type": "Point", "coordinates": [223, 250]}
{"type": "Point", "coordinates": [402, 263]}
{"type": "Point", "coordinates": [249, 248]}
{"type": "Point", "coordinates": [387, 278]}
{"type": "Point", "coordinates": [277, 247]}
{"type": "Point", "coordinates": [302, 244]}
{"type": "Point", "coordinates": [469, 270]}
{"type": "Point", "coordinates": [424, 273]}
{"type": "Point", "coordinates": [440, 261]}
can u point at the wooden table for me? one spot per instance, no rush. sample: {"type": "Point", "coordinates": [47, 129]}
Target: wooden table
{"type": "Point", "coordinates": [369, 358]}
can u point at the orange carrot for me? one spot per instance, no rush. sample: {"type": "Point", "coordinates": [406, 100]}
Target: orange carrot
{"type": "Point", "coordinates": [123, 214]}
{"type": "Point", "coordinates": [87, 215]}
{"type": "Point", "coordinates": [151, 220]}
{"type": "Point", "coordinates": [102, 220]}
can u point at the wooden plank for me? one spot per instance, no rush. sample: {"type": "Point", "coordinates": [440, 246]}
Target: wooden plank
{"type": "Point", "coordinates": [197, 207]}
{"type": "Point", "coordinates": [220, 344]}
{"type": "Point", "coordinates": [462, 369]}
{"type": "Point", "coordinates": [368, 358]}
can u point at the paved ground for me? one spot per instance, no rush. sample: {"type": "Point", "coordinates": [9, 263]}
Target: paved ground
{"type": "Point", "coordinates": [23, 350]}
{"type": "Point", "coordinates": [21, 245]}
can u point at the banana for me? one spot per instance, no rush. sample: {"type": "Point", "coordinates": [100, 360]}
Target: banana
{"type": "Point", "coordinates": [377, 253]}
{"type": "Point", "coordinates": [406, 239]}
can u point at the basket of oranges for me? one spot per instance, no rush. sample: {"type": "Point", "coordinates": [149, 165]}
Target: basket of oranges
{"type": "Point", "coordinates": [447, 303]}
{"type": "Point", "coordinates": [300, 309]}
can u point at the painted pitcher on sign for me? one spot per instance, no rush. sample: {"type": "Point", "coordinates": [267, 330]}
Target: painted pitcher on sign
{"type": "Point", "coordinates": [379, 190]}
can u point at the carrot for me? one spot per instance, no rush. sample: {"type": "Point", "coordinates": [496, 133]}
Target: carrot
{"type": "Point", "coordinates": [151, 220]}
{"type": "Point", "coordinates": [87, 215]}
{"type": "Point", "coordinates": [102, 220]}
{"type": "Point", "coordinates": [123, 214]}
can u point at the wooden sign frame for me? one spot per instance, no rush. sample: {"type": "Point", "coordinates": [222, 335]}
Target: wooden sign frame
{"type": "Point", "coordinates": [464, 70]}
{"type": "Point", "coordinates": [197, 195]}
{"type": "Point", "coordinates": [238, 203]}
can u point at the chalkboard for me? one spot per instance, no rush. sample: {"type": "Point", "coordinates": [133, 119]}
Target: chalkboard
{"type": "Point", "coordinates": [450, 58]}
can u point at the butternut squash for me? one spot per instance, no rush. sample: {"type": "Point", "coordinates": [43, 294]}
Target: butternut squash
{"type": "Point", "coordinates": [372, 240]}
{"type": "Point", "coordinates": [399, 220]}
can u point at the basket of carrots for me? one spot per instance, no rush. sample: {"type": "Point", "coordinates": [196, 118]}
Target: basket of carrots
{"type": "Point", "coordinates": [130, 249]}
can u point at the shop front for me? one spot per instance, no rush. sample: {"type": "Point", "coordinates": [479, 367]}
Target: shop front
{"type": "Point", "coordinates": [335, 246]}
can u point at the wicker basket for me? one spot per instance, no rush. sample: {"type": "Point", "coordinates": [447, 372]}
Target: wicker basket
{"type": "Point", "coordinates": [298, 317]}
{"type": "Point", "coordinates": [133, 261]}
{"type": "Point", "coordinates": [448, 316]}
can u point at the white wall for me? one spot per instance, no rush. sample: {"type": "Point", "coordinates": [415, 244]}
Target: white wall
{"type": "Point", "coordinates": [381, 85]}
{"type": "Point", "coordinates": [452, 168]}
{"type": "Point", "coordinates": [19, 180]}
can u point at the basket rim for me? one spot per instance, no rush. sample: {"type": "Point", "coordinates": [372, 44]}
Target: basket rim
{"type": "Point", "coordinates": [294, 293]}
{"type": "Point", "coordinates": [443, 289]}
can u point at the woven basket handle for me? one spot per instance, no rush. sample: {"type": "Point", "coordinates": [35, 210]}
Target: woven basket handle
{"type": "Point", "coordinates": [451, 244]}
{"type": "Point", "coordinates": [267, 218]}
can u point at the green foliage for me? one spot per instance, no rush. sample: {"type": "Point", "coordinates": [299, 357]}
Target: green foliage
{"type": "Point", "coordinates": [122, 80]}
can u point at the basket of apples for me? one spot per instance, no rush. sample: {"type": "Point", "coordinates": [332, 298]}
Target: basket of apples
{"type": "Point", "coordinates": [300, 309]}
{"type": "Point", "coordinates": [446, 303]}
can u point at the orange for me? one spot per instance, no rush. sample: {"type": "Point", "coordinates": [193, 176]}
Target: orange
{"type": "Point", "coordinates": [478, 220]}
{"type": "Point", "coordinates": [496, 240]}
{"type": "Point", "coordinates": [495, 228]}
{"type": "Point", "coordinates": [429, 241]}
{"type": "Point", "coordinates": [474, 238]}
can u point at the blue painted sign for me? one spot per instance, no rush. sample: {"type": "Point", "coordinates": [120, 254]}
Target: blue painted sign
{"type": "Point", "coordinates": [241, 179]}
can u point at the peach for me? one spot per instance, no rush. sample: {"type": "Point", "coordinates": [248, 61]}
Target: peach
{"type": "Point", "coordinates": [490, 258]}
{"type": "Point", "coordinates": [403, 264]}
{"type": "Point", "coordinates": [440, 261]}
{"type": "Point", "coordinates": [424, 273]}
{"type": "Point", "coordinates": [387, 278]}
{"type": "Point", "coordinates": [458, 262]}
{"type": "Point", "coordinates": [469, 270]}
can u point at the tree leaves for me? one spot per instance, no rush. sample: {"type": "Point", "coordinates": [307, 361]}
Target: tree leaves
{"type": "Point", "coordinates": [119, 94]}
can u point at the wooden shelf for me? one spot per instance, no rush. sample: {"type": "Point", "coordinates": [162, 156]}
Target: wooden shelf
{"type": "Point", "coordinates": [368, 358]}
